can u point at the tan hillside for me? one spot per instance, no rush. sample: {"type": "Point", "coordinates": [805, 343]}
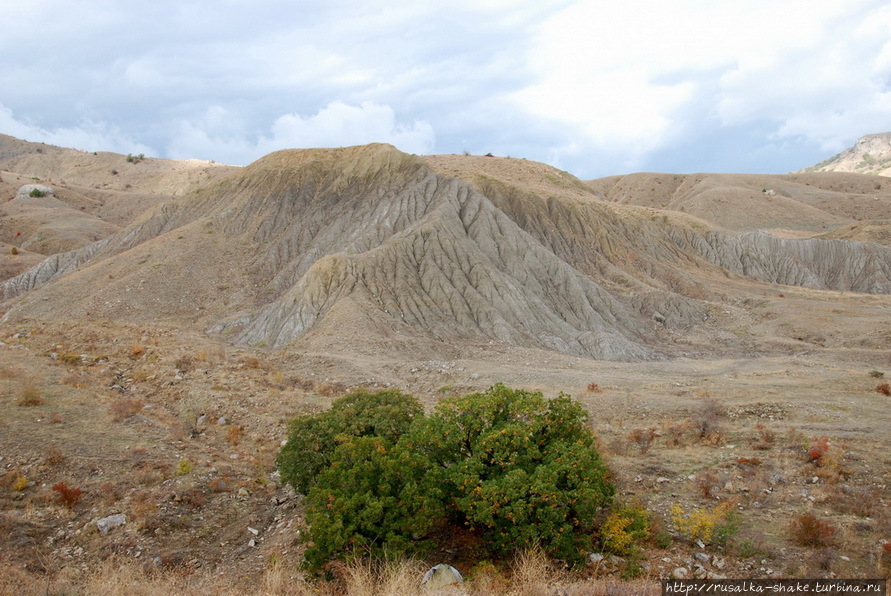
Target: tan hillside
{"type": "Point", "coordinates": [156, 339]}
{"type": "Point", "coordinates": [871, 154]}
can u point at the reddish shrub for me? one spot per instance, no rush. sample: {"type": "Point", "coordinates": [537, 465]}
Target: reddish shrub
{"type": "Point", "coordinates": [68, 496]}
{"type": "Point", "coordinates": [809, 530]}
{"type": "Point", "coordinates": [818, 450]}
{"type": "Point", "coordinates": [884, 389]}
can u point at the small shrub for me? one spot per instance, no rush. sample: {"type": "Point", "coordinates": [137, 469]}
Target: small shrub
{"type": "Point", "coordinates": [643, 438]}
{"type": "Point", "coordinates": [884, 389]}
{"type": "Point", "coordinates": [593, 388]}
{"type": "Point", "coordinates": [185, 466]}
{"type": "Point", "coordinates": [707, 482]}
{"type": "Point", "coordinates": [624, 528]}
{"type": "Point", "coordinates": [877, 374]}
{"type": "Point", "coordinates": [30, 396]}
{"type": "Point", "coordinates": [14, 250]}
{"type": "Point", "coordinates": [699, 524]}
{"type": "Point", "coordinates": [707, 423]}
{"type": "Point", "coordinates": [124, 408]}
{"type": "Point", "coordinates": [819, 448]}
{"type": "Point", "coordinates": [766, 438]}
{"type": "Point", "coordinates": [36, 193]}
{"type": "Point", "coordinates": [68, 496]}
{"type": "Point", "coordinates": [54, 456]}
{"type": "Point", "coordinates": [808, 530]}
{"type": "Point", "coordinates": [233, 435]}
{"type": "Point", "coordinates": [19, 483]}
{"type": "Point", "coordinates": [136, 352]}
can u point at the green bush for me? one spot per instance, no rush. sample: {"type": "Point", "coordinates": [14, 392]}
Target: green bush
{"type": "Point", "coordinates": [517, 469]}
{"type": "Point", "coordinates": [374, 499]}
{"type": "Point", "coordinates": [507, 465]}
{"type": "Point", "coordinates": [312, 439]}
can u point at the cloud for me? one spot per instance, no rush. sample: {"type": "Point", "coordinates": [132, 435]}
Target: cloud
{"type": "Point", "coordinates": [221, 134]}
{"type": "Point", "coordinates": [87, 135]}
{"type": "Point", "coordinates": [637, 77]}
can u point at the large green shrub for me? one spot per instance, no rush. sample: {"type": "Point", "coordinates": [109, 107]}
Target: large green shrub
{"type": "Point", "coordinates": [508, 465]}
{"type": "Point", "coordinates": [312, 439]}
{"type": "Point", "coordinates": [517, 469]}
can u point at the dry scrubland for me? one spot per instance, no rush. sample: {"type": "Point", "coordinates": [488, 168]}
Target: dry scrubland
{"type": "Point", "coordinates": [751, 421]}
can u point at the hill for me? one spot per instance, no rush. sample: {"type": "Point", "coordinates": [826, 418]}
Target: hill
{"type": "Point", "coordinates": [365, 245]}
{"type": "Point", "coordinates": [871, 154]}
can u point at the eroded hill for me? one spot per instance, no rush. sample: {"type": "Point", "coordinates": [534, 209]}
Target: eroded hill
{"type": "Point", "coordinates": [369, 249]}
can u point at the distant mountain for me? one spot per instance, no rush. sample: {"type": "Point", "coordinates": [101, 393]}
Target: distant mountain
{"type": "Point", "coordinates": [869, 155]}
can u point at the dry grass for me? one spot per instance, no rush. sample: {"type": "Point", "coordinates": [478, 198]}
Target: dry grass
{"type": "Point", "coordinates": [30, 396]}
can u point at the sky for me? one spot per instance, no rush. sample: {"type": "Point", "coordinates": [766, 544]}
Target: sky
{"type": "Point", "coordinates": [593, 87]}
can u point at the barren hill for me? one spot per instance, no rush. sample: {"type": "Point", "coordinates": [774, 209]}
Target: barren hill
{"type": "Point", "coordinates": [871, 154]}
{"type": "Point", "coordinates": [366, 248]}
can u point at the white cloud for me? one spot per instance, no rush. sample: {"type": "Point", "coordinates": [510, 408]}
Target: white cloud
{"type": "Point", "coordinates": [637, 76]}
{"type": "Point", "coordinates": [87, 135]}
{"type": "Point", "coordinates": [221, 135]}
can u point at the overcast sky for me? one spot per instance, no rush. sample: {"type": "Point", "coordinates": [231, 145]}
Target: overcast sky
{"type": "Point", "coordinates": [593, 87]}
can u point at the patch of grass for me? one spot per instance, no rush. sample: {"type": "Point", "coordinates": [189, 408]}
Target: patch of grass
{"type": "Point", "coordinates": [30, 396]}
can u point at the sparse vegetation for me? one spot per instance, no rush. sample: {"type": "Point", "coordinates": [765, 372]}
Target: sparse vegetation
{"type": "Point", "coordinates": [36, 193]}
{"type": "Point", "coordinates": [884, 389]}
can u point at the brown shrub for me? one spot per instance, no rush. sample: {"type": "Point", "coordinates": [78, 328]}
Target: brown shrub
{"type": "Point", "coordinates": [137, 352]}
{"type": "Point", "coordinates": [331, 389]}
{"type": "Point", "coordinates": [233, 434]}
{"type": "Point", "coordinates": [643, 438]}
{"type": "Point", "coordinates": [809, 530]}
{"type": "Point", "coordinates": [765, 439]}
{"type": "Point", "coordinates": [707, 482]}
{"type": "Point", "coordinates": [53, 456]}
{"type": "Point", "coordinates": [124, 408]}
{"type": "Point", "coordinates": [818, 450]}
{"type": "Point", "coordinates": [68, 496]}
{"type": "Point", "coordinates": [707, 423]}
{"type": "Point", "coordinates": [594, 388]}
{"type": "Point", "coordinates": [884, 389]}
{"type": "Point", "coordinates": [30, 396]}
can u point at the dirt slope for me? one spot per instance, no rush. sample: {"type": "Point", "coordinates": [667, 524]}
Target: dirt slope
{"type": "Point", "coordinates": [315, 245]}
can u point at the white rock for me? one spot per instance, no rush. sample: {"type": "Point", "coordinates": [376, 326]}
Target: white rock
{"type": "Point", "coordinates": [112, 521]}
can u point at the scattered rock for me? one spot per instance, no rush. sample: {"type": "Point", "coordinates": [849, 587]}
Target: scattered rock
{"type": "Point", "coordinates": [680, 572]}
{"type": "Point", "coordinates": [595, 557]}
{"type": "Point", "coordinates": [112, 521]}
